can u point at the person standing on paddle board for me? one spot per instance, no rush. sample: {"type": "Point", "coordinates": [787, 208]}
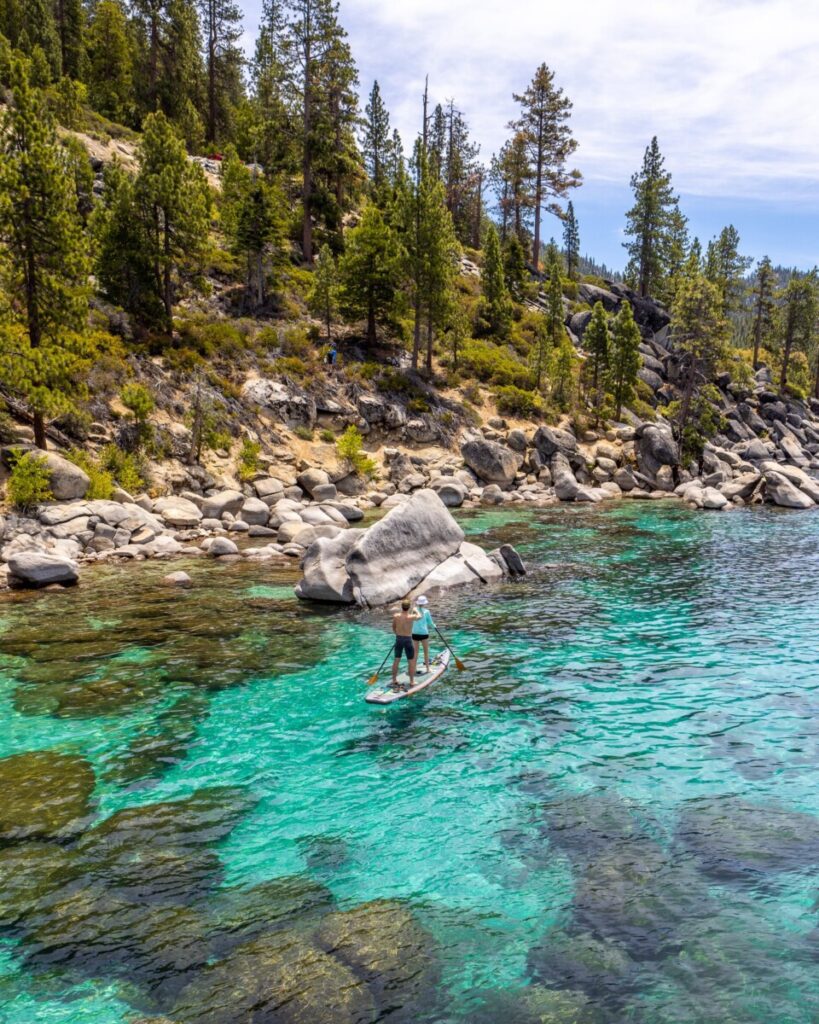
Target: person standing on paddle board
{"type": "Point", "coordinates": [402, 626]}
{"type": "Point", "coordinates": [421, 630]}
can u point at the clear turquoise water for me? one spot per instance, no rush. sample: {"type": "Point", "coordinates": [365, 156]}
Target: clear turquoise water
{"type": "Point", "coordinates": [612, 815]}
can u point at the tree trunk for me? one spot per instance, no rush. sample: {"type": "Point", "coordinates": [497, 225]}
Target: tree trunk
{"type": "Point", "coordinates": [307, 157]}
{"type": "Point", "coordinates": [371, 335]}
{"type": "Point", "coordinates": [538, 194]}
{"type": "Point", "coordinates": [35, 335]}
{"type": "Point", "coordinates": [430, 337]}
{"type": "Point", "coordinates": [416, 334]}
{"type": "Point", "coordinates": [212, 43]}
{"type": "Point", "coordinates": [167, 281]}
{"type": "Point", "coordinates": [153, 57]}
{"type": "Point", "coordinates": [786, 358]}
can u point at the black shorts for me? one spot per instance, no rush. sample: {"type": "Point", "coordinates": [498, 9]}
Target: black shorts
{"type": "Point", "coordinates": [420, 636]}
{"type": "Point", "coordinates": [404, 645]}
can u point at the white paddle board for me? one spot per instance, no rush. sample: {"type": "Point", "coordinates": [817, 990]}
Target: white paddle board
{"type": "Point", "coordinates": [386, 694]}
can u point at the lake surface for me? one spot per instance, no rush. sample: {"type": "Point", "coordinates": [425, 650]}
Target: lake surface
{"type": "Point", "coordinates": [612, 816]}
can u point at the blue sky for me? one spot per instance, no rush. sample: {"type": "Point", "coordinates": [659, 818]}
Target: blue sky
{"type": "Point", "coordinates": [730, 87]}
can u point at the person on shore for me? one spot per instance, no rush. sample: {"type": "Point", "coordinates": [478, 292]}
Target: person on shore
{"type": "Point", "coordinates": [402, 625]}
{"type": "Point", "coordinates": [421, 630]}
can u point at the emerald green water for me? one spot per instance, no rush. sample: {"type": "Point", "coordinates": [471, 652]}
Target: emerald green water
{"type": "Point", "coordinates": [611, 816]}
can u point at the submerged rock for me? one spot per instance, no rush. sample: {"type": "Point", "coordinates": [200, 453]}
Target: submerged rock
{"type": "Point", "coordinates": [734, 841]}
{"type": "Point", "coordinates": [278, 979]}
{"type": "Point", "coordinates": [581, 961]}
{"type": "Point", "coordinates": [29, 872]}
{"type": "Point", "coordinates": [46, 795]}
{"type": "Point", "coordinates": [383, 943]}
{"type": "Point", "coordinates": [536, 1004]}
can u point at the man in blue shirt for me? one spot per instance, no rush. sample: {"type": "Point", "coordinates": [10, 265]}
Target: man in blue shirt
{"type": "Point", "coordinates": [421, 630]}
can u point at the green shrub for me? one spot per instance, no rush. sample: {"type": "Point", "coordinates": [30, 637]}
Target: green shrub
{"type": "Point", "coordinates": [518, 402]}
{"type": "Point", "coordinates": [102, 483]}
{"type": "Point", "coordinates": [249, 464]}
{"type": "Point", "coordinates": [495, 364]}
{"type": "Point", "coordinates": [295, 342]}
{"type": "Point", "coordinates": [30, 481]}
{"type": "Point", "coordinates": [570, 289]}
{"type": "Point", "coordinates": [418, 405]}
{"type": "Point", "coordinates": [127, 470]}
{"type": "Point", "coordinates": [292, 366]}
{"type": "Point", "coordinates": [305, 433]}
{"type": "Point", "coordinates": [327, 436]}
{"type": "Point", "coordinates": [350, 448]}
{"type": "Point", "coordinates": [211, 338]}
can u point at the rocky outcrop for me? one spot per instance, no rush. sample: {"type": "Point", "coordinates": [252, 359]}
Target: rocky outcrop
{"type": "Point", "coordinates": [656, 448]}
{"type": "Point", "coordinates": [491, 462]}
{"type": "Point", "coordinates": [416, 545]}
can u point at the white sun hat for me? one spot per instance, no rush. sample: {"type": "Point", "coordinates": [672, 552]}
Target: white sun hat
{"type": "Point", "coordinates": [422, 600]}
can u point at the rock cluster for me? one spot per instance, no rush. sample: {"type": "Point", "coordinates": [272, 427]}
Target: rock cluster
{"type": "Point", "coordinates": [416, 547]}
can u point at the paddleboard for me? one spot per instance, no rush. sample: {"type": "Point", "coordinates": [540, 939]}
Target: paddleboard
{"type": "Point", "coordinates": [386, 694]}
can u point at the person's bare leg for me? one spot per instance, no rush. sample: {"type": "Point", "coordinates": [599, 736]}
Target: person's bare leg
{"type": "Point", "coordinates": [395, 665]}
{"type": "Point", "coordinates": [426, 655]}
{"type": "Point", "coordinates": [417, 645]}
{"type": "Point", "coordinates": [412, 673]}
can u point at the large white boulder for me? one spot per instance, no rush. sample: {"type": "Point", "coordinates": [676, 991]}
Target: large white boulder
{"type": "Point", "coordinates": [491, 462]}
{"type": "Point", "coordinates": [39, 569]}
{"type": "Point", "coordinates": [780, 491]}
{"type": "Point", "coordinates": [325, 569]}
{"type": "Point", "coordinates": [178, 512]}
{"type": "Point", "coordinates": [68, 482]}
{"type": "Point", "coordinates": [215, 506]}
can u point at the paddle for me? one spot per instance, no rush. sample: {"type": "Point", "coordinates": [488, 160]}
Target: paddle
{"type": "Point", "coordinates": [458, 663]}
{"type": "Point", "coordinates": [374, 678]}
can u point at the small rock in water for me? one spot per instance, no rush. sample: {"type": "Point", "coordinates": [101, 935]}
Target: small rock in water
{"type": "Point", "coordinates": [178, 579]}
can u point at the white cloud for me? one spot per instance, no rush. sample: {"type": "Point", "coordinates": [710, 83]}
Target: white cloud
{"type": "Point", "coordinates": [731, 87]}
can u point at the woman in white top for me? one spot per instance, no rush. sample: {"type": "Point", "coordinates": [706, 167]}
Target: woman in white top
{"type": "Point", "coordinates": [421, 630]}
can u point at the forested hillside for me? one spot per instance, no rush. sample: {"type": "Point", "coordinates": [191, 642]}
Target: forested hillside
{"type": "Point", "coordinates": [185, 229]}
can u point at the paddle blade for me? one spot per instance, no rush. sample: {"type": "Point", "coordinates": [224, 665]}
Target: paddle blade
{"type": "Point", "coordinates": [460, 665]}
{"type": "Point", "coordinates": [372, 680]}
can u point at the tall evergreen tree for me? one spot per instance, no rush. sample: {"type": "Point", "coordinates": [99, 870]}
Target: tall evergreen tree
{"type": "Point", "coordinates": [370, 272]}
{"type": "Point", "coordinates": [323, 298]}
{"type": "Point", "coordinates": [496, 304]}
{"type": "Point", "coordinates": [173, 203]}
{"type": "Point", "coordinates": [764, 305]}
{"type": "Point", "coordinates": [37, 29]}
{"type": "Point", "coordinates": [678, 249]}
{"type": "Point", "coordinates": [544, 125]}
{"type": "Point", "coordinates": [624, 358]}
{"type": "Point", "coordinates": [514, 267]}
{"type": "Point", "coordinates": [310, 42]}
{"type": "Point", "coordinates": [726, 268]}
{"type": "Point", "coordinates": [110, 62]}
{"type": "Point", "coordinates": [597, 342]}
{"type": "Point", "coordinates": [555, 314]}
{"type": "Point", "coordinates": [45, 348]}
{"type": "Point", "coordinates": [798, 319]}
{"type": "Point", "coordinates": [701, 333]}
{"type": "Point", "coordinates": [650, 222]}
{"type": "Point", "coordinates": [70, 23]}
{"type": "Point", "coordinates": [571, 242]}
{"type": "Point", "coordinates": [376, 139]}
{"type": "Point", "coordinates": [222, 29]}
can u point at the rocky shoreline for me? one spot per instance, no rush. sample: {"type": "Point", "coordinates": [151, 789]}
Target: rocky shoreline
{"type": "Point", "coordinates": [287, 510]}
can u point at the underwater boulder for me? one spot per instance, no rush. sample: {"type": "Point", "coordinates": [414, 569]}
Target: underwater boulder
{"type": "Point", "coordinates": [46, 795]}
{"type": "Point", "coordinates": [535, 1004]}
{"type": "Point", "coordinates": [29, 872]}
{"type": "Point", "coordinates": [734, 841]}
{"type": "Point", "coordinates": [581, 961]}
{"type": "Point", "coordinates": [277, 979]}
{"type": "Point", "coordinates": [383, 943]}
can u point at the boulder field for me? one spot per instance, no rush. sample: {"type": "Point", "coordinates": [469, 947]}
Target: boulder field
{"type": "Point", "coordinates": [417, 547]}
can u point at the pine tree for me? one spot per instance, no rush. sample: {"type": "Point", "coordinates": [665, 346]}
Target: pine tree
{"type": "Point", "coordinates": [725, 268]}
{"type": "Point", "coordinates": [38, 29]}
{"type": "Point", "coordinates": [650, 223]}
{"type": "Point", "coordinates": [544, 126]}
{"type": "Point", "coordinates": [677, 254]}
{"type": "Point", "coordinates": [597, 342]}
{"type": "Point", "coordinates": [45, 347]}
{"type": "Point", "coordinates": [624, 358]}
{"type": "Point", "coordinates": [70, 24]}
{"type": "Point", "coordinates": [511, 179]}
{"type": "Point", "coordinates": [562, 373]}
{"type": "Point", "coordinates": [110, 63]}
{"type": "Point", "coordinates": [571, 242]}
{"type": "Point", "coordinates": [259, 237]}
{"type": "Point", "coordinates": [798, 319]}
{"type": "Point", "coordinates": [700, 337]}
{"type": "Point", "coordinates": [555, 314]}
{"type": "Point", "coordinates": [222, 29]}
{"type": "Point", "coordinates": [123, 264]}
{"type": "Point", "coordinates": [764, 306]}
{"type": "Point", "coordinates": [370, 272]}
{"type": "Point", "coordinates": [375, 143]}
{"type": "Point", "coordinates": [514, 267]}
{"type": "Point", "coordinates": [173, 203]}
{"type": "Point", "coordinates": [323, 298]}
{"type": "Point", "coordinates": [496, 304]}
{"type": "Point", "coordinates": [181, 84]}
{"type": "Point", "coordinates": [150, 21]}
{"type": "Point", "coordinates": [693, 265]}
{"type": "Point", "coordinates": [310, 42]}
